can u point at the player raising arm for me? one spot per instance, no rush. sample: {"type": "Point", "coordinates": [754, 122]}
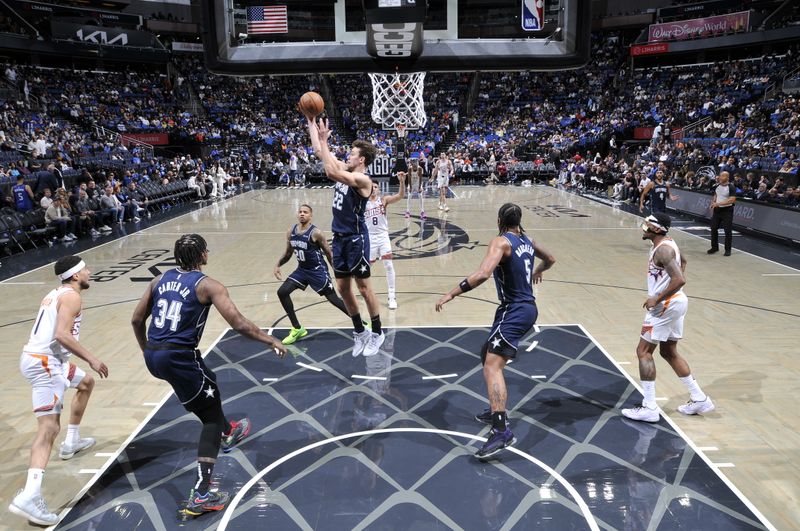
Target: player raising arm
{"type": "Point", "coordinates": [350, 236]}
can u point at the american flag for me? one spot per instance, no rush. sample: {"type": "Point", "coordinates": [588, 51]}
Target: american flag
{"type": "Point", "coordinates": [267, 19]}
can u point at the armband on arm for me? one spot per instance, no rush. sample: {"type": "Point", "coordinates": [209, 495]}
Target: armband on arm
{"type": "Point", "coordinates": [464, 285]}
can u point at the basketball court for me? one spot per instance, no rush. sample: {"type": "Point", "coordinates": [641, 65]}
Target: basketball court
{"type": "Point", "coordinates": [387, 442]}
{"type": "Point", "coordinates": [309, 463]}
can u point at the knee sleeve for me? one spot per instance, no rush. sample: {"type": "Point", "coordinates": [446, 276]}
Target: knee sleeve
{"type": "Point", "coordinates": [285, 291]}
{"type": "Point", "coordinates": [211, 434]}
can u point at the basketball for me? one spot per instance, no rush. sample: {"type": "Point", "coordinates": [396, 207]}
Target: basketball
{"type": "Point", "coordinates": [311, 104]}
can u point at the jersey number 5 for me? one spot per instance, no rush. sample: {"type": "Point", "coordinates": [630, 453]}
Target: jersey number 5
{"type": "Point", "coordinates": [528, 269]}
{"type": "Point", "coordinates": [171, 313]}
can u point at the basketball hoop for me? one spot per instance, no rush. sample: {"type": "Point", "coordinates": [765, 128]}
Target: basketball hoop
{"type": "Point", "coordinates": [397, 100]}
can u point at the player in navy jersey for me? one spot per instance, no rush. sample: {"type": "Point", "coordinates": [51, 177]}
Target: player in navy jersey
{"type": "Point", "coordinates": [510, 258]}
{"type": "Point", "coordinates": [658, 190]}
{"type": "Point", "coordinates": [178, 302]}
{"type": "Point", "coordinates": [23, 195]}
{"type": "Point", "coordinates": [307, 242]}
{"type": "Point", "coordinates": [350, 237]}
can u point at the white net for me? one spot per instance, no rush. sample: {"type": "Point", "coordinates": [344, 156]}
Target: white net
{"type": "Point", "coordinates": [397, 99]}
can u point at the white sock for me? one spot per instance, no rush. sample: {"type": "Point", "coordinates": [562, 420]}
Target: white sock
{"type": "Point", "coordinates": [408, 202]}
{"type": "Point", "coordinates": [73, 436]}
{"type": "Point", "coordinates": [389, 277]}
{"type": "Point", "coordinates": [649, 394]}
{"type": "Point", "coordinates": [33, 486]}
{"type": "Point", "coordinates": [421, 203]}
{"type": "Point", "coordinates": [695, 393]}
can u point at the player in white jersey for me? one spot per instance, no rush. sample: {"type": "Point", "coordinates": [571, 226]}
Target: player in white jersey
{"type": "Point", "coordinates": [442, 171]}
{"type": "Point", "coordinates": [665, 309]}
{"type": "Point", "coordinates": [380, 246]}
{"type": "Point", "coordinates": [415, 183]}
{"type": "Point", "coordinates": [45, 363]}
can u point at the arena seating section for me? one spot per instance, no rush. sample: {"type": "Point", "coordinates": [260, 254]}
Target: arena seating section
{"type": "Point", "coordinates": [500, 127]}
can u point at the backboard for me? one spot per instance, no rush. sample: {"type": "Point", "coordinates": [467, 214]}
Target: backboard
{"type": "Point", "coordinates": [258, 37]}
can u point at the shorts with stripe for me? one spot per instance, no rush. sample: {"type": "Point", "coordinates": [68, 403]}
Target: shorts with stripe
{"type": "Point", "coordinates": [511, 323]}
{"type": "Point", "coordinates": [49, 378]}
{"type": "Point", "coordinates": [318, 279]}
{"type": "Point", "coordinates": [665, 321]}
{"type": "Point", "coordinates": [350, 255]}
{"type": "Point", "coordinates": [379, 246]}
{"type": "Point", "coordinates": [183, 368]}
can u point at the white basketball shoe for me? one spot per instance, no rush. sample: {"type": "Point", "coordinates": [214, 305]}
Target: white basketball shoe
{"type": "Point", "coordinates": [695, 408]}
{"type": "Point", "coordinates": [66, 451]}
{"type": "Point", "coordinates": [360, 340]}
{"type": "Point", "coordinates": [374, 345]}
{"type": "Point", "coordinates": [642, 413]}
{"type": "Point", "coordinates": [33, 508]}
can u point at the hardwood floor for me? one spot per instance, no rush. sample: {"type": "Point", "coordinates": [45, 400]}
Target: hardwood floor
{"type": "Point", "coordinates": [740, 333]}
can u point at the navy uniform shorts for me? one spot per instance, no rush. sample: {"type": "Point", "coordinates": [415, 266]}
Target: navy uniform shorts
{"type": "Point", "coordinates": [318, 279]}
{"type": "Point", "coordinates": [194, 384]}
{"type": "Point", "coordinates": [350, 255]}
{"type": "Point", "coordinates": [511, 323]}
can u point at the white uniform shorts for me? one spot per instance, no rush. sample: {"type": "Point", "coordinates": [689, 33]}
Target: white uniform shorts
{"type": "Point", "coordinates": [49, 378]}
{"type": "Point", "coordinates": [379, 246]}
{"type": "Point", "coordinates": [665, 321]}
{"type": "Point", "coordinates": [442, 181]}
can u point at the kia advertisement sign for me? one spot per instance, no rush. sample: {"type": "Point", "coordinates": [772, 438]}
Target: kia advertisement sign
{"type": "Point", "coordinates": [102, 35]}
{"type": "Point", "coordinates": [699, 27]}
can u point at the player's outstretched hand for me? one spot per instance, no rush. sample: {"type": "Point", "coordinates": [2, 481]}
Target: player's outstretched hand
{"type": "Point", "coordinates": [99, 367]}
{"type": "Point", "coordinates": [277, 273]}
{"type": "Point", "coordinates": [537, 278]}
{"type": "Point", "coordinates": [444, 300]}
{"type": "Point", "coordinates": [324, 130]}
{"type": "Point", "coordinates": [280, 348]}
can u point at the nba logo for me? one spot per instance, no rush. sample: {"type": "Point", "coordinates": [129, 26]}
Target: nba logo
{"type": "Point", "coordinates": [532, 15]}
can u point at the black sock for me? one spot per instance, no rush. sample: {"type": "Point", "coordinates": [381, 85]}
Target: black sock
{"type": "Point", "coordinates": [499, 420]}
{"type": "Point", "coordinates": [204, 471]}
{"type": "Point", "coordinates": [376, 324]}
{"type": "Point", "coordinates": [358, 326]}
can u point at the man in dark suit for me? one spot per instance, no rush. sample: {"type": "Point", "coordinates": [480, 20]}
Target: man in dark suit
{"type": "Point", "coordinates": [49, 179]}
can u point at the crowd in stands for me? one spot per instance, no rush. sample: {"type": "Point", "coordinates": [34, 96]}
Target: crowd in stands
{"type": "Point", "coordinates": [496, 125]}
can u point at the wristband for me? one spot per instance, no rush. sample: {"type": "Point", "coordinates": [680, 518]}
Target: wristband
{"type": "Point", "coordinates": [464, 285]}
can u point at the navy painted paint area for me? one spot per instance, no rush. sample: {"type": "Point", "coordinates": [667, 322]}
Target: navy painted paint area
{"type": "Point", "coordinates": [631, 475]}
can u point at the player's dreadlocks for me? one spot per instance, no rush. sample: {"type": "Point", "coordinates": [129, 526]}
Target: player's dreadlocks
{"type": "Point", "coordinates": [189, 250]}
{"type": "Point", "coordinates": [509, 216]}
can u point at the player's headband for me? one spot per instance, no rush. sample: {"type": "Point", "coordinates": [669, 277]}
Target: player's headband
{"type": "Point", "coordinates": [69, 272]}
{"type": "Point", "coordinates": [652, 220]}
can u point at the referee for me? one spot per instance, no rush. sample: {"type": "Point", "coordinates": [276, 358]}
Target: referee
{"type": "Point", "coordinates": [722, 212]}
